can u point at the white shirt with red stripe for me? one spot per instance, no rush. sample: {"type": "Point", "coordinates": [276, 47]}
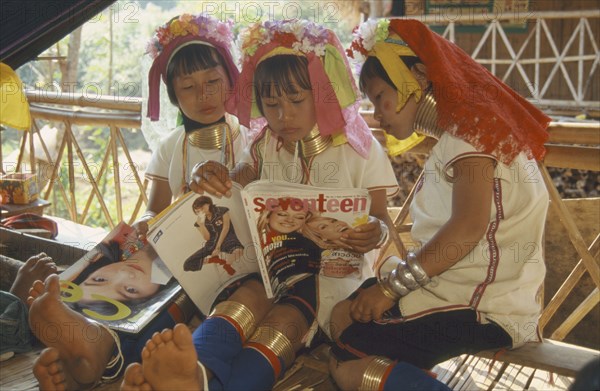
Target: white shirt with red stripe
{"type": "Point", "coordinates": [501, 277]}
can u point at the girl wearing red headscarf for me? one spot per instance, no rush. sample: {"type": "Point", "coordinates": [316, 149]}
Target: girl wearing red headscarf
{"type": "Point", "coordinates": [473, 279]}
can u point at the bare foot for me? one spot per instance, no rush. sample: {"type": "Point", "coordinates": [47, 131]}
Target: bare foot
{"type": "Point", "coordinates": [49, 372]}
{"type": "Point", "coordinates": [84, 348]}
{"type": "Point", "coordinates": [134, 379]}
{"type": "Point", "coordinates": [170, 361]}
{"type": "Point", "coordinates": [37, 267]}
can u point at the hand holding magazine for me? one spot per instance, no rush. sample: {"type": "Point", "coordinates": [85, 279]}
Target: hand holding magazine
{"type": "Point", "coordinates": [299, 230]}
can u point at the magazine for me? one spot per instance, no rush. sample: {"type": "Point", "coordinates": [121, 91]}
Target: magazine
{"type": "Point", "coordinates": [205, 242]}
{"type": "Point", "coordinates": [298, 229]}
{"type": "Point", "coordinates": [121, 282]}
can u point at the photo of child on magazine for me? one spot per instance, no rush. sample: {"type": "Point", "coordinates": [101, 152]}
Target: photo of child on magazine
{"type": "Point", "coordinates": [206, 243]}
{"type": "Point", "coordinates": [121, 282]}
{"type": "Point", "coordinates": [222, 244]}
{"type": "Point", "coordinates": [300, 231]}
{"type": "Point", "coordinates": [290, 256]}
{"type": "Point", "coordinates": [338, 259]}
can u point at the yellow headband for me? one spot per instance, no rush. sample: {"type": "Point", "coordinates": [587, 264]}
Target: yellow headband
{"type": "Point", "coordinates": [388, 54]}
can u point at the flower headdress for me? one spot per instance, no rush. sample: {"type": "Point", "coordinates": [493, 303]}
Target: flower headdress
{"type": "Point", "coordinates": [372, 38]}
{"type": "Point", "coordinates": [472, 104]}
{"type": "Point", "coordinates": [367, 34]}
{"type": "Point", "coordinates": [336, 108]}
{"type": "Point", "coordinates": [177, 33]}
{"type": "Point", "coordinates": [300, 35]}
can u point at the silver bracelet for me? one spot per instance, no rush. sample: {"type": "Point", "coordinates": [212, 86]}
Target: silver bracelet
{"type": "Point", "coordinates": [406, 277]}
{"type": "Point", "coordinates": [396, 285]}
{"type": "Point", "coordinates": [416, 269]}
{"type": "Point", "coordinates": [385, 232]}
{"type": "Point", "coordinates": [147, 216]}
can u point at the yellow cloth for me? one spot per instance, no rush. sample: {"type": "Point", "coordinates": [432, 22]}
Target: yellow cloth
{"type": "Point", "coordinates": [388, 54]}
{"type": "Point", "coordinates": [14, 108]}
{"type": "Point", "coordinates": [396, 147]}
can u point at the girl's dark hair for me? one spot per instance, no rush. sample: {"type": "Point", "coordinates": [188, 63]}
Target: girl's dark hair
{"type": "Point", "coordinates": [373, 68]}
{"type": "Point", "coordinates": [110, 253]}
{"type": "Point", "coordinates": [203, 200]}
{"type": "Point", "coordinates": [189, 59]}
{"type": "Point", "coordinates": [278, 74]}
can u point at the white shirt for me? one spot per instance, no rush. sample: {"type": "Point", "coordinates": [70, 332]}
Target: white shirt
{"type": "Point", "coordinates": [166, 163]}
{"type": "Point", "coordinates": [336, 167]}
{"type": "Point", "coordinates": [502, 276]}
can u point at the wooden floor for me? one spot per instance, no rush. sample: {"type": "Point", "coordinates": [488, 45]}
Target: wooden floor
{"type": "Point", "coordinates": [310, 373]}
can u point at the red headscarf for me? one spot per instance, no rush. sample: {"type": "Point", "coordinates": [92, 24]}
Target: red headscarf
{"type": "Point", "coordinates": [472, 103]}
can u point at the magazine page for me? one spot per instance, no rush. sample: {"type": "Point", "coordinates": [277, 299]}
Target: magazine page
{"type": "Point", "coordinates": [205, 242]}
{"type": "Point", "coordinates": [299, 230]}
{"type": "Point", "coordinates": [121, 282]}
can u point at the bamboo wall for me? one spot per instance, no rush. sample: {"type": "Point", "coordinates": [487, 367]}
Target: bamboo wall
{"type": "Point", "coordinates": [561, 30]}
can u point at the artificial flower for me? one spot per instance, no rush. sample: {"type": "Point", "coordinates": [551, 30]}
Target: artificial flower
{"type": "Point", "coordinates": [301, 35]}
{"type": "Point", "coordinates": [187, 24]}
{"type": "Point", "coordinates": [367, 35]}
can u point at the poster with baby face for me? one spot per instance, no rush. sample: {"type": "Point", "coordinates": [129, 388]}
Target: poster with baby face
{"type": "Point", "coordinates": [121, 282]}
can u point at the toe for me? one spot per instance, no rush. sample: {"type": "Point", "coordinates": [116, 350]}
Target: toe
{"type": "Point", "coordinates": [37, 287]}
{"type": "Point", "coordinates": [157, 339]}
{"type": "Point", "coordinates": [145, 352]}
{"type": "Point", "coordinates": [166, 335]}
{"type": "Point", "coordinates": [182, 336]}
{"type": "Point", "coordinates": [150, 345]}
{"type": "Point", "coordinates": [134, 375]}
{"type": "Point", "coordinates": [52, 285]}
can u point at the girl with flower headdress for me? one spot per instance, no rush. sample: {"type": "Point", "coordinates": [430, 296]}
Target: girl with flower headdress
{"type": "Point", "coordinates": [473, 280]}
{"type": "Point", "coordinates": [296, 77]}
{"type": "Point", "coordinates": [192, 56]}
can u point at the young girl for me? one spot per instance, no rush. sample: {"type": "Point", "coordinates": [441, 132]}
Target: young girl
{"type": "Point", "coordinates": [214, 224]}
{"type": "Point", "coordinates": [473, 280]}
{"type": "Point", "coordinates": [295, 76]}
{"type": "Point", "coordinates": [191, 54]}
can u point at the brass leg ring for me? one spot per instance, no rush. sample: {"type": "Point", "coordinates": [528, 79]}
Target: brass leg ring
{"type": "Point", "coordinates": [275, 341]}
{"type": "Point", "coordinates": [374, 374]}
{"type": "Point", "coordinates": [237, 313]}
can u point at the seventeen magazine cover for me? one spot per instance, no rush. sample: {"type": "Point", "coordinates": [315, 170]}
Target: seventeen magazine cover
{"type": "Point", "coordinates": [205, 242]}
{"type": "Point", "coordinates": [298, 228]}
{"type": "Point", "coordinates": [121, 282]}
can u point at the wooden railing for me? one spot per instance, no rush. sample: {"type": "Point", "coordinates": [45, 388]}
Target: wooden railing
{"type": "Point", "coordinates": [69, 110]}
